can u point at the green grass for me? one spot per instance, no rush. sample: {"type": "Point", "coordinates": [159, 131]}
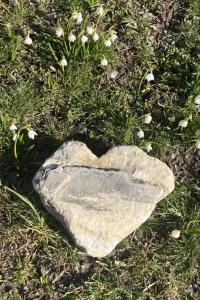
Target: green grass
{"type": "Point", "coordinates": [81, 101]}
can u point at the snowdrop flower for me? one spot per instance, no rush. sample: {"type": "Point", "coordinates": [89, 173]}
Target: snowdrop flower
{"type": "Point", "coordinates": [197, 100]}
{"type": "Point", "coordinates": [63, 62]}
{"type": "Point", "coordinates": [13, 127]}
{"type": "Point", "coordinates": [175, 234]}
{"type": "Point", "coordinates": [79, 18]}
{"type": "Point", "coordinates": [140, 134]}
{"type": "Point", "coordinates": [84, 39]}
{"type": "Point", "coordinates": [52, 68]}
{"type": "Point", "coordinates": [113, 37]}
{"type": "Point", "coordinates": [100, 10]}
{"type": "Point", "coordinates": [113, 74]}
{"type": "Point", "coordinates": [89, 30]}
{"type": "Point", "coordinates": [108, 43]}
{"type": "Point", "coordinates": [149, 77]}
{"type": "Point", "coordinates": [71, 38]}
{"type": "Point", "coordinates": [14, 137]}
{"type": "Point", "coordinates": [149, 147]}
{"type": "Point", "coordinates": [59, 32]}
{"type": "Point", "coordinates": [183, 123]}
{"type": "Point", "coordinates": [75, 15]}
{"type": "Point", "coordinates": [28, 40]}
{"type": "Point", "coordinates": [31, 134]}
{"type": "Point", "coordinates": [95, 37]}
{"type": "Point", "coordinates": [198, 145]}
{"type": "Point", "coordinates": [104, 62]}
{"type": "Point", "coordinates": [147, 119]}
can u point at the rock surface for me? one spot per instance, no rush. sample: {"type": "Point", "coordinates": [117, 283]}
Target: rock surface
{"type": "Point", "coordinates": [102, 200]}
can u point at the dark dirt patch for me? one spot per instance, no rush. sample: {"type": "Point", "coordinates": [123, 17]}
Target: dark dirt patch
{"type": "Point", "coordinates": [185, 164]}
{"type": "Point", "coordinates": [168, 17]}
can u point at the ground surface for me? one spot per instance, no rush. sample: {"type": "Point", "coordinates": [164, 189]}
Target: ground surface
{"type": "Point", "coordinates": [81, 101]}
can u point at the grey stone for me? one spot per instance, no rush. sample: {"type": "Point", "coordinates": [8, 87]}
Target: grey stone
{"type": "Point", "coordinates": [102, 200]}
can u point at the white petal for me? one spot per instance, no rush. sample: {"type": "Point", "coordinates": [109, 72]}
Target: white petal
{"type": "Point", "coordinates": [175, 234]}
{"type": "Point", "coordinates": [28, 40]}
{"type": "Point", "coordinates": [104, 62]}
{"type": "Point", "coordinates": [14, 137]}
{"type": "Point", "coordinates": [13, 127]}
{"type": "Point", "coordinates": [52, 68]}
{"type": "Point", "coordinates": [108, 43]}
{"type": "Point", "coordinates": [89, 30]}
{"type": "Point", "coordinates": [72, 37]}
{"type": "Point", "coordinates": [113, 74]}
{"type": "Point", "coordinates": [149, 148]}
{"type": "Point", "coordinates": [63, 62]}
{"type": "Point", "coordinates": [31, 134]}
{"type": "Point", "coordinates": [148, 119]}
{"type": "Point", "coordinates": [113, 37]}
{"type": "Point", "coordinates": [140, 134]}
{"type": "Point", "coordinates": [149, 77]}
{"type": "Point", "coordinates": [183, 123]}
{"type": "Point", "coordinates": [79, 18]}
{"type": "Point", "coordinates": [198, 145]}
{"type": "Point", "coordinates": [197, 100]}
{"type": "Point", "coordinates": [100, 11]}
{"type": "Point", "coordinates": [75, 15]}
{"type": "Point", "coordinates": [95, 37]}
{"type": "Point", "coordinates": [59, 32]}
{"type": "Point", "coordinates": [84, 39]}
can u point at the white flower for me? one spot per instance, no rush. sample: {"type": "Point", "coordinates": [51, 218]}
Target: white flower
{"type": "Point", "coordinates": [104, 62]}
{"type": "Point", "coordinates": [14, 137]}
{"type": "Point", "coordinates": [52, 68]}
{"type": "Point", "coordinates": [183, 123]}
{"type": "Point", "coordinates": [147, 119]}
{"type": "Point", "coordinates": [71, 38]}
{"type": "Point", "coordinates": [149, 147]}
{"type": "Point", "coordinates": [89, 30]}
{"type": "Point", "coordinates": [113, 74]}
{"type": "Point", "coordinates": [95, 37]}
{"type": "Point", "coordinates": [198, 145]}
{"type": "Point", "coordinates": [13, 127]}
{"type": "Point", "coordinates": [100, 10]}
{"type": "Point", "coordinates": [31, 134]}
{"type": "Point", "coordinates": [79, 18]}
{"type": "Point", "coordinates": [149, 77]}
{"type": "Point", "coordinates": [113, 37]}
{"type": "Point", "coordinates": [28, 40]}
{"type": "Point", "coordinates": [59, 32]}
{"type": "Point", "coordinates": [175, 233]}
{"type": "Point", "coordinates": [75, 15]}
{"type": "Point", "coordinates": [140, 134]}
{"type": "Point", "coordinates": [63, 62]}
{"type": "Point", "coordinates": [197, 100]}
{"type": "Point", "coordinates": [84, 39]}
{"type": "Point", "coordinates": [108, 43]}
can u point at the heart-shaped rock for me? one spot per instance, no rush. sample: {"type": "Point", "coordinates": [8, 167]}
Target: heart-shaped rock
{"type": "Point", "coordinates": [102, 200]}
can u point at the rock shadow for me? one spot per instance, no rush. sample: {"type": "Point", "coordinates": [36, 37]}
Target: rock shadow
{"type": "Point", "coordinates": [18, 175]}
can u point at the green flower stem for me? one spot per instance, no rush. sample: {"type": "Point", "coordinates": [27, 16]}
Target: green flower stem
{"type": "Point", "coordinates": [15, 147]}
{"type": "Point", "coordinates": [141, 81]}
{"type": "Point", "coordinates": [15, 143]}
